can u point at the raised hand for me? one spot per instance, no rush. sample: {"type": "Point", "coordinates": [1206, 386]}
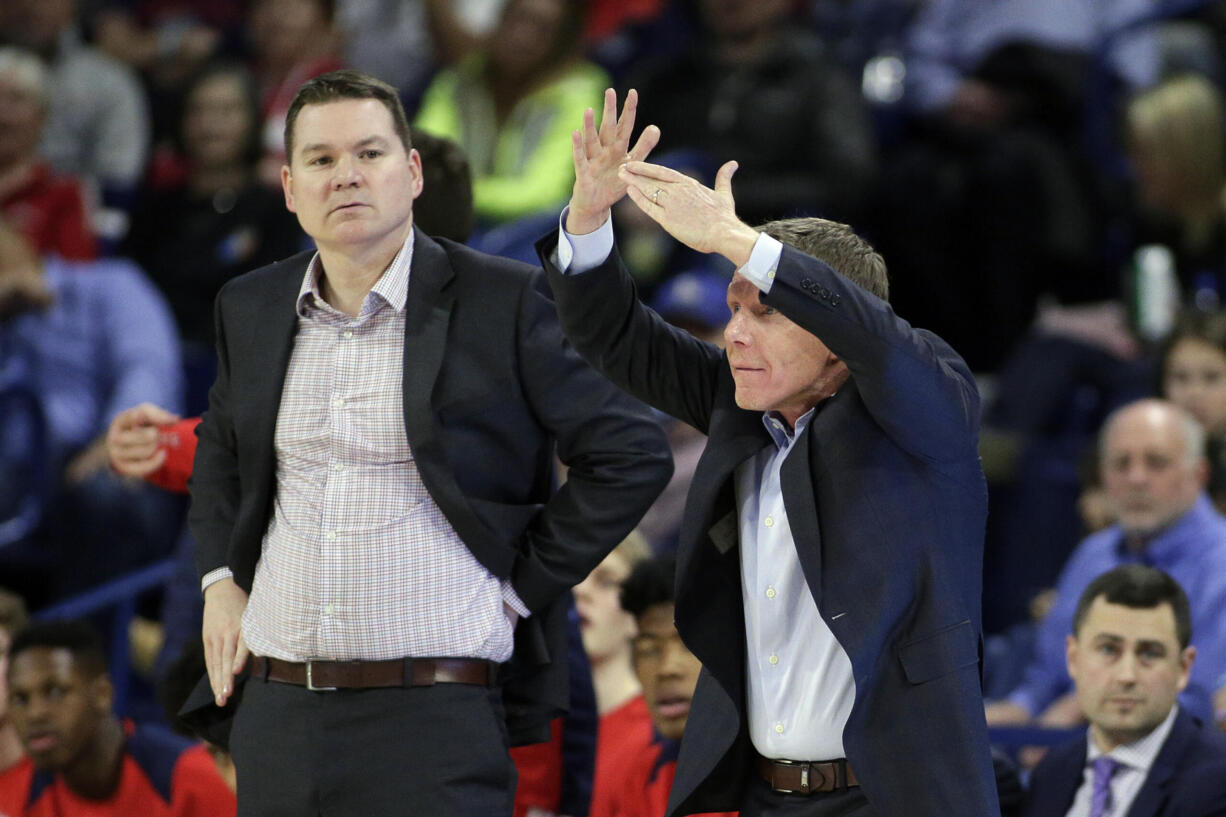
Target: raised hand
{"type": "Point", "coordinates": [598, 155]}
{"type": "Point", "coordinates": [703, 218]}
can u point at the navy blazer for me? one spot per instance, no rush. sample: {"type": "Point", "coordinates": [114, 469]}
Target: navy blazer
{"type": "Point", "coordinates": [887, 504]}
{"type": "Point", "coordinates": [1188, 778]}
{"type": "Point", "coordinates": [491, 391]}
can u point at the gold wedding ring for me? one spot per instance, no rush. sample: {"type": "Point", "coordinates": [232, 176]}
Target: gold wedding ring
{"type": "Point", "coordinates": [655, 197]}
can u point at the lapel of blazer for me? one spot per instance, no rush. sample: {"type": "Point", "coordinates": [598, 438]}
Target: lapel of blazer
{"type": "Point", "coordinates": [799, 484]}
{"type": "Point", "coordinates": [275, 325]}
{"type": "Point", "coordinates": [428, 310]}
{"type": "Point", "coordinates": [1153, 791]}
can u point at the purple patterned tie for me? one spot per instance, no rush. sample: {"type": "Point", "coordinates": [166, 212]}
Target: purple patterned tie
{"type": "Point", "coordinates": [1100, 800]}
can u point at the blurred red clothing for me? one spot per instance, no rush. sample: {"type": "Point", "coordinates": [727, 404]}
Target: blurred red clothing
{"type": "Point", "coordinates": [49, 210]}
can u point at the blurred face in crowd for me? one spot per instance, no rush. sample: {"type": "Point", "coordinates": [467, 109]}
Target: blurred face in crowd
{"type": "Point", "coordinates": [606, 627]}
{"type": "Point", "coordinates": [527, 36]}
{"type": "Point", "coordinates": [1149, 476]}
{"type": "Point", "coordinates": [666, 669]}
{"type": "Point", "coordinates": [777, 365]}
{"type": "Point", "coordinates": [285, 31]}
{"type": "Point", "coordinates": [1128, 667]}
{"type": "Point", "coordinates": [55, 707]}
{"type": "Point", "coordinates": [36, 24]}
{"type": "Point", "coordinates": [217, 122]}
{"type": "Point", "coordinates": [21, 122]}
{"type": "Point", "coordinates": [737, 19]}
{"type": "Point", "coordinates": [1196, 381]}
{"type": "Point", "coordinates": [350, 180]}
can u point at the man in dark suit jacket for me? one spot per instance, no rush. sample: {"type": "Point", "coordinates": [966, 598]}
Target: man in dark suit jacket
{"type": "Point", "coordinates": [1142, 755]}
{"type": "Point", "coordinates": [830, 554]}
{"type": "Point", "coordinates": [372, 497]}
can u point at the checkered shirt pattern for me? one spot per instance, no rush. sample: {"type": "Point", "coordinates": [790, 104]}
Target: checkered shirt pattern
{"type": "Point", "coordinates": [358, 561]}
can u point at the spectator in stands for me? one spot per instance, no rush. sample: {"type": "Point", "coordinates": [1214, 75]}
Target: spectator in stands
{"type": "Point", "coordinates": [48, 209]}
{"type": "Point", "coordinates": [84, 759]}
{"type": "Point", "coordinates": [221, 221]}
{"type": "Point", "coordinates": [511, 106]}
{"type": "Point", "coordinates": [1192, 373]}
{"type": "Point", "coordinates": [1154, 471]}
{"type": "Point", "coordinates": [292, 41]}
{"type": "Point", "coordinates": [12, 619]}
{"type": "Point", "coordinates": [1143, 755]}
{"type": "Point", "coordinates": [95, 337]}
{"type": "Point", "coordinates": [763, 90]}
{"type": "Point", "coordinates": [1177, 147]}
{"type": "Point", "coordinates": [97, 123]}
{"type": "Point", "coordinates": [668, 673]}
{"type": "Point", "coordinates": [624, 730]}
{"type": "Point", "coordinates": [951, 39]}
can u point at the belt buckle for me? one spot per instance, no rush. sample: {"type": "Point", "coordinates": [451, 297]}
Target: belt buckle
{"type": "Point", "coordinates": [310, 681]}
{"type": "Point", "coordinates": [805, 767]}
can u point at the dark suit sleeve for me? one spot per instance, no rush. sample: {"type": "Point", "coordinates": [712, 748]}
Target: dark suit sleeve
{"type": "Point", "coordinates": [631, 345]}
{"type": "Point", "coordinates": [214, 484]}
{"type": "Point", "coordinates": [914, 385]}
{"type": "Point", "coordinates": [616, 455]}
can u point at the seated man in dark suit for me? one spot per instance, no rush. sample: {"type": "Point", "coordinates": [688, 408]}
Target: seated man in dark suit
{"type": "Point", "coordinates": [1142, 756]}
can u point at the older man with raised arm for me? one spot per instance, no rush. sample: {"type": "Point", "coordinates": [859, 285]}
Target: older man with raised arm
{"type": "Point", "coordinates": [830, 556]}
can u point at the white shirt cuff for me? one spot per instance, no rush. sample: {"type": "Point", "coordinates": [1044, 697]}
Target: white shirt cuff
{"type": "Point", "coordinates": [214, 576]}
{"type": "Point", "coordinates": [513, 600]}
{"type": "Point", "coordinates": [759, 270]}
{"type": "Point", "coordinates": [579, 253]}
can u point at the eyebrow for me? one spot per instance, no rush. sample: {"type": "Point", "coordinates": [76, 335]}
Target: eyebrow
{"type": "Point", "coordinates": [367, 142]}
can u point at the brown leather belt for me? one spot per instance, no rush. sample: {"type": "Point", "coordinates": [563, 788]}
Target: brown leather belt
{"type": "Point", "coordinates": [806, 777]}
{"type": "Point", "coordinates": [325, 676]}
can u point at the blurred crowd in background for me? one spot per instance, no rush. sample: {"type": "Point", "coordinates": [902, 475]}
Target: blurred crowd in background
{"type": "Point", "coordinates": [1046, 180]}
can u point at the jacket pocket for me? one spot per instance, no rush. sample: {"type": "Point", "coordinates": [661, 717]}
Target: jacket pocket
{"type": "Point", "coordinates": [940, 653]}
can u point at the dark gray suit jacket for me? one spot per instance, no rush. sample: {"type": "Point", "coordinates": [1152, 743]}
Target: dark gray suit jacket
{"type": "Point", "coordinates": [491, 390]}
{"type": "Point", "coordinates": [887, 505]}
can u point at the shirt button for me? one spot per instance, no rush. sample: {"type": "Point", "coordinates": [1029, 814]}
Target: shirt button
{"type": "Point", "coordinates": [338, 402]}
{"type": "Point", "coordinates": [779, 728]}
{"type": "Point", "coordinates": [770, 592]}
{"type": "Point", "coordinates": [769, 522]}
{"type": "Point", "coordinates": [770, 276]}
{"type": "Point", "coordinates": [328, 609]}
{"type": "Point", "coordinates": [774, 659]}
{"type": "Point", "coordinates": [330, 536]}
{"type": "Point", "coordinates": [348, 334]}
{"type": "Point", "coordinates": [338, 466]}
{"type": "Point", "coordinates": [777, 424]}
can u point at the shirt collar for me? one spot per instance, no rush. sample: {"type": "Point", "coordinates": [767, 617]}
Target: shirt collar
{"type": "Point", "coordinates": [777, 427]}
{"type": "Point", "coordinates": [1140, 754]}
{"type": "Point", "coordinates": [392, 286]}
{"type": "Point", "coordinates": [1172, 543]}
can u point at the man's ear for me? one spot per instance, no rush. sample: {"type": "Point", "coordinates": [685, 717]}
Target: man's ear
{"type": "Point", "coordinates": [1070, 655]}
{"type": "Point", "coordinates": [102, 693]}
{"type": "Point", "coordinates": [287, 186]}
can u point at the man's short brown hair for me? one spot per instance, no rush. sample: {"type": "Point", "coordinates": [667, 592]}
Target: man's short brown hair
{"type": "Point", "coordinates": [346, 84]}
{"type": "Point", "coordinates": [837, 245]}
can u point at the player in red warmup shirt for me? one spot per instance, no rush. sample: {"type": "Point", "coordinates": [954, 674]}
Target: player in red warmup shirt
{"type": "Point", "coordinates": [82, 760]}
{"type": "Point", "coordinates": [668, 672]}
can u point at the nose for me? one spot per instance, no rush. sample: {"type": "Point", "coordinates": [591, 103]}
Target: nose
{"type": "Point", "coordinates": [345, 172]}
{"type": "Point", "coordinates": [671, 663]}
{"type": "Point", "coordinates": [1126, 669]}
{"type": "Point", "coordinates": [735, 332]}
